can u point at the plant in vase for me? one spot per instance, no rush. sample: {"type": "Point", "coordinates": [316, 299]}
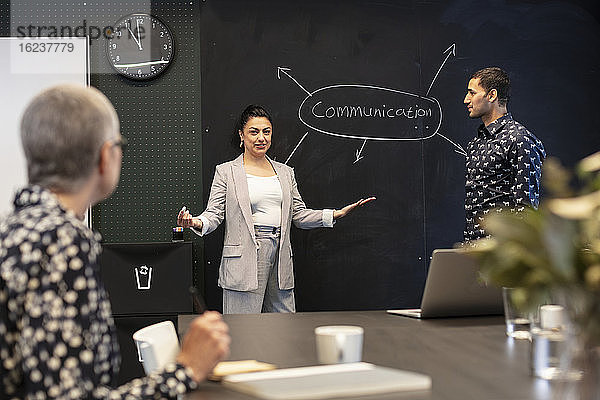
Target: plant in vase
{"type": "Point", "coordinates": [554, 251]}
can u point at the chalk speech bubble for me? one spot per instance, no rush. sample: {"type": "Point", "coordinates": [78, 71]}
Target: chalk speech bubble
{"type": "Point", "coordinates": [371, 112]}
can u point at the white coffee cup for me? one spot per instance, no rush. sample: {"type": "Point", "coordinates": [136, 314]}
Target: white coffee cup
{"type": "Point", "coordinates": [339, 344]}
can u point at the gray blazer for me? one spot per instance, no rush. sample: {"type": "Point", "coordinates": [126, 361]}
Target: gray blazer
{"type": "Point", "coordinates": [229, 197]}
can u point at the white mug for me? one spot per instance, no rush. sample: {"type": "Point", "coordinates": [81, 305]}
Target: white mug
{"type": "Point", "coordinates": [339, 344]}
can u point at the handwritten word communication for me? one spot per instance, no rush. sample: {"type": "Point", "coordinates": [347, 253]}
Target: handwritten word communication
{"type": "Point", "coordinates": [320, 110]}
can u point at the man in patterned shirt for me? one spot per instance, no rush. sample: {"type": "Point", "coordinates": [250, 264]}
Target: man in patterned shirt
{"type": "Point", "coordinates": [504, 160]}
{"type": "Point", "coordinates": [57, 335]}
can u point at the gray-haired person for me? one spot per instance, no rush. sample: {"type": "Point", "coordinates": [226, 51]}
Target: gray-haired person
{"type": "Point", "coordinates": [57, 336]}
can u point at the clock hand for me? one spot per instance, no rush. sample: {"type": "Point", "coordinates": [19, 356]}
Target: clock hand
{"type": "Point", "coordinates": [141, 64]}
{"type": "Point", "coordinates": [130, 31]}
{"type": "Point", "coordinates": [137, 21]}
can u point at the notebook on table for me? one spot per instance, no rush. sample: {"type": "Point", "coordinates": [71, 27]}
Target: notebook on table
{"type": "Point", "coordinates": [327, 381]}
{"type": "Point", "coordinates": [454, 288]}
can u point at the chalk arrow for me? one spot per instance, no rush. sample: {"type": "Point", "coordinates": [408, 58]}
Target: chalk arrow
{"type": "Point", "coordinates": [285, 71]}
{"type": "Point", "coordinates": [293, 151]}
{"type": "Point", "coordinates": [459, 149]}
{"type": "Point", "coordinates": [451, 52]}
{"type": "Point", "coordinates": [281, 69]}
{"type": "Point", "coordinates": [359, 152]}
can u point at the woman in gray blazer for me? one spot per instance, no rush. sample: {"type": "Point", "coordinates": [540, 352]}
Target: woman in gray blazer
{"type": "Point", "coordinates": [259, 200]}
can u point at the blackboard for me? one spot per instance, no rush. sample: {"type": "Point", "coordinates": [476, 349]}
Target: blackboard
{"type": "Point", "coordinates": [299, 58]}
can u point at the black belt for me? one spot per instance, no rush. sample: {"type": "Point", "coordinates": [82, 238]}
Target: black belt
{"type": "Point", "coordinates": [274, 229]}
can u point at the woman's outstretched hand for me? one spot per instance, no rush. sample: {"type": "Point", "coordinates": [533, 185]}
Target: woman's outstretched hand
{"type": "Point", "coordinates": [185, 219]}
{"type": "Point", "coordinates": [341, 213]}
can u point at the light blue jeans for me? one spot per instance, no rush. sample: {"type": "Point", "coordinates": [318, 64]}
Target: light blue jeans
{"type": "Point", "coordinates": [268, 297]}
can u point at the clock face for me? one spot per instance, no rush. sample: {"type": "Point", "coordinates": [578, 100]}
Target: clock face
{"type": "Point", "coordinates": [140, 47]}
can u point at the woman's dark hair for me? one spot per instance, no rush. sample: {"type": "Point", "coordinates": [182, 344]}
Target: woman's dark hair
{"type": "Point", "coordinates": [251, 111]}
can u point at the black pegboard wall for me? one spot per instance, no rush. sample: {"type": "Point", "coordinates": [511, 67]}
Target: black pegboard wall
{"type": "Point", "coordinates": [162, 168]}
{"type": "Point", "coordinates": [27, 16]}
{"type": "Point", "coordinates": [4, 18]}
{"type": "Point", "coordinates": [161, 118]}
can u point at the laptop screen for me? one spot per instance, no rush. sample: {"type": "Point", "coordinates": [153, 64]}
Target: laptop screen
{"type": "Point", "coordinates": [454, 287]}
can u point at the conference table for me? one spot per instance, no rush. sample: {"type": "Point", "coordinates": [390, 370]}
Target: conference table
{"type": "Point", "coordinates": [466, 357]}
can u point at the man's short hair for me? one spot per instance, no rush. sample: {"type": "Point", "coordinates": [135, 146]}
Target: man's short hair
{"type": "Point", "coordinates": [494, 78]}
{"type": "Point", "coordinates": [62, 131]}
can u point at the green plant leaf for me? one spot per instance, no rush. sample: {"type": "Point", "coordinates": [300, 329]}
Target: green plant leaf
{"type": "Point", "coordinates": [556, 178]}
{"type": "Point", "coordinates": [581, 207]}
{"type": "Point", "coordinates": [590, 163]}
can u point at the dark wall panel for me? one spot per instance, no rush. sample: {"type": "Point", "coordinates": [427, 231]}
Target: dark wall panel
{"type": "Point", "coordinates": [378, 256]}
{"type": "Point", "coordinates": [161, 118]}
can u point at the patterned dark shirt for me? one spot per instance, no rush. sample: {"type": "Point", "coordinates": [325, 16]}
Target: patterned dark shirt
{"type": "Point", "coordinates": [57, 335]}
{"type": "Point", "coordinates": [504, 169]}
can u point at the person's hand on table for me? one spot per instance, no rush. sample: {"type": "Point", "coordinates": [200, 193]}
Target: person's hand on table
{"type": "Point", "coordinates": [185, 219]}
{"type": "Point", "coordinates": [205, 344]}
{"type": "Point", "coordinates": [344, 211]}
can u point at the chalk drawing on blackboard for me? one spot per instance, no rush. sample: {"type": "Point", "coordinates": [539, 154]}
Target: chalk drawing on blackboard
{"type": "Point", "coordinates": [370, 112]}
{"type": "Point", "coordinates": [451, 52]}
{"type": "Point", "coordinates": [359, 155]}
{"type": "Point", "coordinates": [298, 145]}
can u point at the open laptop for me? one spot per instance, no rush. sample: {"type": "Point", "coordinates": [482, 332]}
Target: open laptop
{"type": "Point", "coordinates": [454, 288]}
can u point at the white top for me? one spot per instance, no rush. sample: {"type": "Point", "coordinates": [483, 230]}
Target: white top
{"type": "Point", "coordinates": [327, 217]}
{"type": "Point", "coordinates": [265, 199]}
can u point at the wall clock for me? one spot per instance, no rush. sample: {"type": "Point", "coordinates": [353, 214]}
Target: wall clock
{"type": "Point", "coordinates": [141, 46]}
